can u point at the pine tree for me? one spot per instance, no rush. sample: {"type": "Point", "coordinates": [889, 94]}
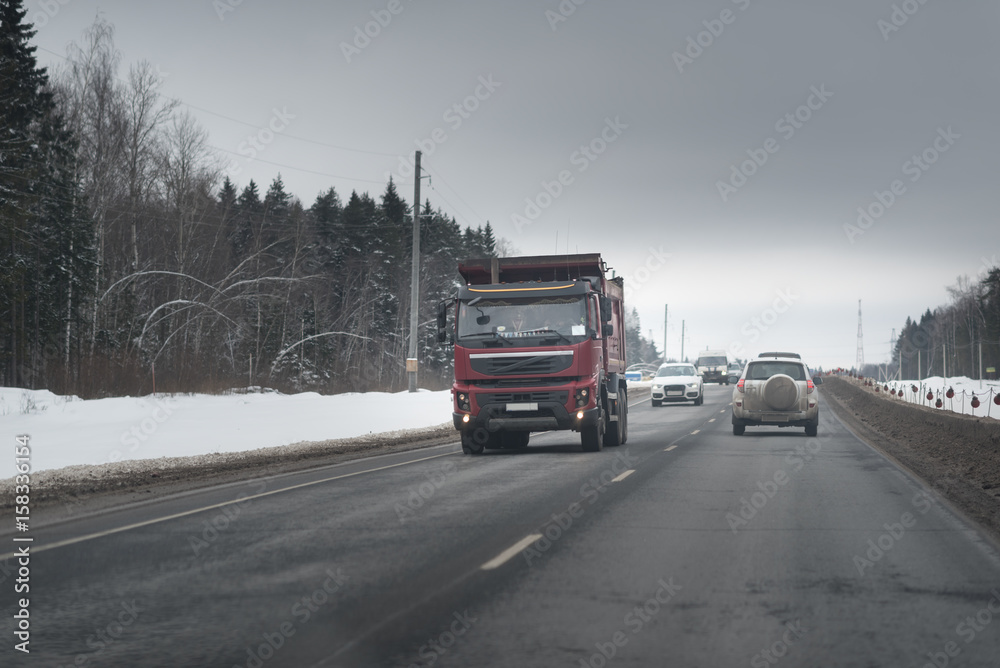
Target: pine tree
{"type": "Point", "coordinates": [43, 232]}
{"type": "Point", "coordinates": [489, 241]}
{"type": "Point", "coordinates": [249, 210]}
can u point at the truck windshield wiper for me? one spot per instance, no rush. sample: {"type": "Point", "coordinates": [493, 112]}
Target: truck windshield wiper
{"type": "Point", "coordinates": [495, 335]}
{"type": "Point", "coordinates": [552, 331]}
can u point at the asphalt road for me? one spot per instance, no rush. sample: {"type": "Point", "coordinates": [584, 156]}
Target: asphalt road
{"type": "Point", "coordinates": [686, 547]}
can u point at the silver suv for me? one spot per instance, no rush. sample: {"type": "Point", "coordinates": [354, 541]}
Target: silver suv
{"type": "Point", "coordinates": [775, 391]}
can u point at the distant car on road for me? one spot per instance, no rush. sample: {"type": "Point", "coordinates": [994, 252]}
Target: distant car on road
{"type": "Point", "coordinates": [713, 365]}
{"type": "Point", "coordinates": [640, 371]}
{"type": "Point", "coordinates": [678, 381]}
{"type": "Point", "coordinates": [775, 391]}
{"type": "Point", "coordinates": [735, 369]}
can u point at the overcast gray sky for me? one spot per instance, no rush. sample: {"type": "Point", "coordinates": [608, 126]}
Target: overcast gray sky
{"type": "Point", "coordinates": [716, 153]}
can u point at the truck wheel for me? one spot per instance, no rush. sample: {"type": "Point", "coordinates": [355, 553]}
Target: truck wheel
{"type": "Point", "coordinates": [625, 417]}
{"type": "Point", "coordinates": [614, 436]}
{"type": "Point", "coordinates": [592, 437]}
{"type": "Point", "coordinates": [470, 446]}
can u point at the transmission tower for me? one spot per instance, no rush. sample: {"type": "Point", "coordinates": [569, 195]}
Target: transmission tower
{"type": "Point", "coordinates": [860, 361]}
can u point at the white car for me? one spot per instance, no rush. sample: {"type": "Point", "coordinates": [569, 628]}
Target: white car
{"type": "Point", "coordinates": [678, 382]}
{"type": "Point", "coordinates": [775, 391]}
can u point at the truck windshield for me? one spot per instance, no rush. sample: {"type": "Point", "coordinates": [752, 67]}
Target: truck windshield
{"type": "Point", "coordinates": [535, 320]}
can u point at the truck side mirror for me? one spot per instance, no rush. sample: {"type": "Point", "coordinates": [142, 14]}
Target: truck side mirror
{"type": "Point", "coordinates": [606, 310]}
{"type": "Point", "coordinates": [607, 329]}
{"type": "Point", "coordinates": [442, 322]}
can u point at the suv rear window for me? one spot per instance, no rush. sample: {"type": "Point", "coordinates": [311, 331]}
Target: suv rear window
{"type": "Point", "coordinates": [764, 370]}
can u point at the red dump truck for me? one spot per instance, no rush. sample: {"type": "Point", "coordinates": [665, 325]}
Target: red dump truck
{"type": "Point", "coordinates": [539, 346]}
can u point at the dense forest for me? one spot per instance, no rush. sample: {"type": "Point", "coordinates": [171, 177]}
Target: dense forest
{"type": "Point", "coordinates": [962, 337]}
{"type": "Point", "coordinates": [127, 258]}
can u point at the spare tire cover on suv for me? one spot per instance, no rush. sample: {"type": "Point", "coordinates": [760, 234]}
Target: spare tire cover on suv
{"type": "Point", "coordinates": [781, 392]}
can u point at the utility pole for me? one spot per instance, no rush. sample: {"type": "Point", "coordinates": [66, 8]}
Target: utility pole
{"type": "Point", "coordinates": [411, 359]}
{"type": "Point", "coordinates": [682, 340]}
{"type": "Point", "coordinates": [860, 361]}
{"type": "Point", "coordinates": [980, 363]}
{"type": "Point", "coordinates": [665, 335]}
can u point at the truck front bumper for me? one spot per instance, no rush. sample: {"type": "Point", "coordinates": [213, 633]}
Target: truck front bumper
{"type": "Point", "coordinates": [549, 417]}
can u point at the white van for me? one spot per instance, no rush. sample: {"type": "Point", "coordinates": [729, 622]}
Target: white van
{"type": "Point", "coordinates": [713, 365]}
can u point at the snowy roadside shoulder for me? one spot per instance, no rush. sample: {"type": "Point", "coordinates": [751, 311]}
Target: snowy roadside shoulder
{"type": "Point", "coordinates": [67, 431]}
{"type": "Point", "coordinates": [81, 448]}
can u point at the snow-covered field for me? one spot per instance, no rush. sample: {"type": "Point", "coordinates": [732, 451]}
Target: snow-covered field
{"type": "Point", "coordinates": [65, 431]}
{"type": "Point", "coordinates": [964, 389]}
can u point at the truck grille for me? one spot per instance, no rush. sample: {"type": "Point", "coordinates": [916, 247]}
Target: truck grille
{"type": "Point", "coordinates": [517, 397]}
{"type": "Point", "coordinates": [522, 364]}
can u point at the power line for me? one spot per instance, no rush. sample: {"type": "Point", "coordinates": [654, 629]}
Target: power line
{"type": "Point", "coordinates": [469, 207]}
{"type": "Point", "coordinates": [291, 136]}
{"type": "Point", "coordinates": [302, 139]}
{"type": "Point", "coordinates": [298, 169]}
{"type": "Point", "coordinates": [242, 122]}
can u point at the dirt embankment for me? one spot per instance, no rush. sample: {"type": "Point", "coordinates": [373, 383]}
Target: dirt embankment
{"type": "Point", "coordinates": [958, 455]}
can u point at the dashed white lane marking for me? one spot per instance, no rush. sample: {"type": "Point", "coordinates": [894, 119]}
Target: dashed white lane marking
{"type": "Point", "coordinates": [623, 475]}
{"type": "Point", "coordinates": [509, 553]}
{"type": "Point", "coordinates": [670, 448]}
{"type": "Point", "coordinates": [695, 432]}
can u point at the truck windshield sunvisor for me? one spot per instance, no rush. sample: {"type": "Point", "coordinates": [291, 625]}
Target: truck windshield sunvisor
{"type": "Point", "coordinates": [511, 291]}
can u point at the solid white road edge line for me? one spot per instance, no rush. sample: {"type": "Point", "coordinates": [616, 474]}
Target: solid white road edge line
{"type": "Point", "coordinates": [157, 520]}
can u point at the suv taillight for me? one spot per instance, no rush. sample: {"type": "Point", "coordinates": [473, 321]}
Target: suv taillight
{"type": "Point", "coordinates": [810, 386]}
{"type": "Point", "coordinates": [739, 385]}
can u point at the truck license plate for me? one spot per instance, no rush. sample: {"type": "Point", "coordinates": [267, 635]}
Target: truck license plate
{"type": "Point", "coordinates": [522, 407]}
